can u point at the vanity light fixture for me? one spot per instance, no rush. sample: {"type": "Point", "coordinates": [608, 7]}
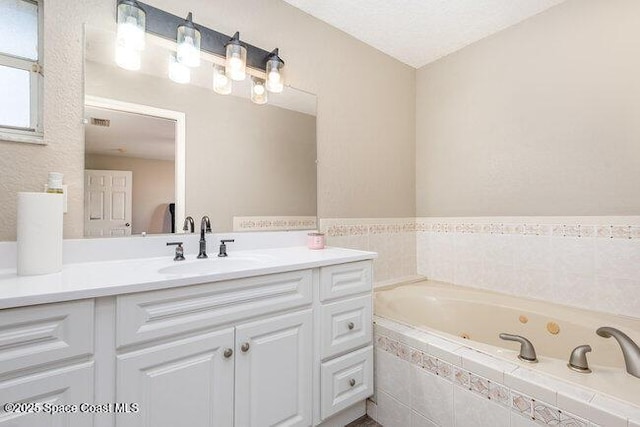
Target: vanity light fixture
{"type": "Point", "coordinates": [130, 39]}
{"type": "Point", "coordinates": [188, 39]}
{"type": "Point", "coordinates": [236, 58]}
{"type": "Point", "coordinates": [274, 72]}
{"type": "Point", "coordinates": [259, 93]}
{"type": "Point", "coordinates": [178, 72]}
{"type": "Point", "coordinates": [221, 83]}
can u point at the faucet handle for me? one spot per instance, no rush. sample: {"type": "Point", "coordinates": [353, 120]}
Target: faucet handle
{"type": "Point", "coordinates": [527, 352]}
{"type": "Point", "coordinates": [179, 255]}
{"type": "Point", "coordinates": [223, 247]}
{"type": "Point", "coordinates": [578, 360]}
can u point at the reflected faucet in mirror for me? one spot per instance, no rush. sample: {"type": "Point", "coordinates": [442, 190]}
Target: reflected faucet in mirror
{"type": "Point", "coordinates": [189, 225]}
{"type": "Point", "coordinates": [205, 227]}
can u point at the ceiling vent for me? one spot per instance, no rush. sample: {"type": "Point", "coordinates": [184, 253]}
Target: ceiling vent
{"type": "Point", "coordinates": [105, 123]}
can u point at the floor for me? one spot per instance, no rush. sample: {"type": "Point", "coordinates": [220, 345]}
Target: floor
{"type": "Point", "coordinates": [364, 421]}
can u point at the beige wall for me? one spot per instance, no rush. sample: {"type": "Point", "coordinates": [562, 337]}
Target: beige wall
{"type": "Point", "coordinates": [540, 119]}
{"type": "Point", "coordinates": [366, 106]}
{"type": "Point", "coordinates": [153, 188]}
{"type": "Point", "coordinates": [242, 159]}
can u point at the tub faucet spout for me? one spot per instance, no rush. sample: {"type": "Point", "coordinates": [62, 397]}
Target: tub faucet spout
{"type": "Point", "coordinates": [527, 352]}
{"type": "Point", "coordinates": [630, 349]}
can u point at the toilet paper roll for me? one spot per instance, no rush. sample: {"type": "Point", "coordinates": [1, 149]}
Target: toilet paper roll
{"type": "Point", "coordinates": [39, 233]}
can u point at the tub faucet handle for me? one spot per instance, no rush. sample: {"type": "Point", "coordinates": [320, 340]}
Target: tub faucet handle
{"type": "Point", "coordinates": [527, 352]}
{"type": "Point", "coordinates": [578, 360]}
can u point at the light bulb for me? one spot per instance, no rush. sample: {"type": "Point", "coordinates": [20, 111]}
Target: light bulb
{"type": "Point", "coordinates": [274, 74]}
{"type": "Point", "coordinates": [188, 53]}
{"type": "Point", "coordinates": [178, 72]}
{"type": "Point", "coordinates": [221, 83]}
{"type": "Point", "coordinates": [236, 59]}
{"type": "Point", "coordinates": [258, 92]}
{"type": "Point", "coordinates": [127, 58]}
{"type": "Point", "coordinates": [130, 35]}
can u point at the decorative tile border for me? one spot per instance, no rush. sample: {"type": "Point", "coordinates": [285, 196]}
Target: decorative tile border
{"type": "Point", "coordinates": [274, 223]}
{"type": "Point", "coordinates": [351, 227]}
{"type": "Point", "coordinates": [528, 407]}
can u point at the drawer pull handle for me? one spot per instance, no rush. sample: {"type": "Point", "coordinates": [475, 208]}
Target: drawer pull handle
{"type": "Point", "coordinates": [351, 325]}
{"type": "Point", "coordinates": [352, 382]}
{"type": "Point", "coordinates": [244, 347]}
{"type": "Point", "coordinates": [228, 353]}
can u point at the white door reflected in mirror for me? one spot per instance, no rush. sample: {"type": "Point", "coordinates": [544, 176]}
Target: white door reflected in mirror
{"type": "Point", "coordinates": [107, 198]}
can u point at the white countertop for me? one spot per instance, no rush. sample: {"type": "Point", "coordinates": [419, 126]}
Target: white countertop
{"type": "Point", "coordinates": [98, 279]}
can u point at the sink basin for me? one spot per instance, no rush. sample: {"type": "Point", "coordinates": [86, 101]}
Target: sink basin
{"type": "Point", "coordinates": [215, 265]}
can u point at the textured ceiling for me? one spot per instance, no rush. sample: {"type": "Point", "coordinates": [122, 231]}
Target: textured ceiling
{"type": "Point", "coordinates": [418, 32]}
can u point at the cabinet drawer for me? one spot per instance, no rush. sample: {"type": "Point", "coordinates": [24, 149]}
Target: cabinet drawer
{"type": "Point", "coordinates": [151, 315]}
{"type": "Point", "coordinates": [346, 380]}
{"type": "Point", "coordinates": [337, 281]}
{"type": "Point", "coordinates": [39, 334]}
{"type": "Point", "coordinates": [345, 325]}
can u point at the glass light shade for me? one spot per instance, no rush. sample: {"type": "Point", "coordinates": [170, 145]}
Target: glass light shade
{"type": "Point", "coordinates": [188, 52]}
{"type": "Point", "coordinates": [178, 72]}
{"type": "Point", "coordinates": [221, 83]}
{"type": "Point", "coordinates": [128, 58]}
{"type": "Point", "coordinates": [131, 26]}
{"type": "Point", "coordinates": [259, 94]}
{"type": "Point", "coordinates": [274, 81]}
{"type": "Point", "coordinates": [236, 63]}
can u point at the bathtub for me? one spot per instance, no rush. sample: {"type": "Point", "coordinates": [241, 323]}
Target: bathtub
{"type": "Point", "coordinates": [462, 320]}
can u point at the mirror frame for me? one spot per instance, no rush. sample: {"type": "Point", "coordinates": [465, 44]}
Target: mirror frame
{"type": "Point", "coordinates": [180, 144]}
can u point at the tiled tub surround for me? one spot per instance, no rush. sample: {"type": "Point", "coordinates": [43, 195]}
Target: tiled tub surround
{"type": "Point", "coordinates": [589, 262]}
{"type": "Point", "coordinates": [423, 379]}
{"type": "Point", "coordinates": [394, 239]}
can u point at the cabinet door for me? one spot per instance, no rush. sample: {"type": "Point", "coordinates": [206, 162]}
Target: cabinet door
{"type": "Point", "coordinates": [64, 386]}
{"type": "Point", "coordinates": [273, 371]}
{"type": "Point", "coordinates": [187, 382]}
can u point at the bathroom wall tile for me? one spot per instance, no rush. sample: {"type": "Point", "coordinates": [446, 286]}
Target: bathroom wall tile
{"type": "Point", "coordinates": [445, 370]}
{"type": "Point", "coordinates": [416, 339]}
{"type": "Point", "coordinates": [522, 404]}
{"type": "Point", "coordinates": [538, 386]}
{"type": "Point", "coordinates": [618, 258]}
{"type": "Point", "coordinates": [391, 412]}
{"type": "Point", "coordinates": [432, 396]}
{"type": "Point", "coordinates": [574, 399]}
{"type": "Point", "coordinates": [372, 410]}
{"type": "Point", "coordinates": [418, 420]}
{"type": "Point", "coordinates": [472, 410]}
{"type": "Point", "coordinates": [499, 394]}
{"type": "Point", "coordinates": [461, 377]}
{"type": "Point", "coordinates": [430, 364]}
{"type": "Point", "coordinates": [570, 420]}
{"type": "Point", "coordinates": [573, 255]}
{"type": "Point", "coordinates": [443, 349]}
{"type": "Point", "coordinates": [416, 357]}
{"type": "Point", "coordinates": [608, 412]}
{"type": "Point", "coordinates": [479, 385]}
{"type": "Point", "coordinates": [404, 352]}
{"type": "Point", "coordinates": [393, 375]}
{"type": "Point", "coordinates": [518, 420]}
{"type": "Point", "coordinates": [545, 414]}
{"type": "Point", "coordinates": [485, 365]}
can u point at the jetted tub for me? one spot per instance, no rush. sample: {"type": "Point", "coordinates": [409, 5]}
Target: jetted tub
{"type": "Point", "coordinates": [474, 318]}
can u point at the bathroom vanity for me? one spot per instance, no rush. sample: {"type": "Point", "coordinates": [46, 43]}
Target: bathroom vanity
{"type": "Point", "coordinates": [272, 337]}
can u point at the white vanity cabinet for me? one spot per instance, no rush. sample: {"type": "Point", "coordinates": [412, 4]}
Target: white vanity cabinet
{"type": "Point", "coordinates": [288, 348]}
{"type": "Point", "coordinates": [45, 361]}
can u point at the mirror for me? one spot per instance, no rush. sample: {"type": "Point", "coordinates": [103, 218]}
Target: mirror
{"type": "Point", "coordinates": [157, 151]}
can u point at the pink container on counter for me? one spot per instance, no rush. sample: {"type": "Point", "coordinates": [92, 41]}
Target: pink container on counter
{"type": "Point", "coordinates": [315, 240]}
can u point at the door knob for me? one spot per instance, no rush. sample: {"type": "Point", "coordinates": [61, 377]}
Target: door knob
{"type": "Point", "coordinates": [244, 347]}
{"type": "Point", "coordinates": [351, 325]}
{"type": "Point", "coordinates": [228, 353]}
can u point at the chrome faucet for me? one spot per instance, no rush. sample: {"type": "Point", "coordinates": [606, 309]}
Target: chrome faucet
{"type": "Point", "coordinates": [189, 225]}
{"type": "Point", "coordinates": [205, 227]}
{"type": "Point", "coordinates": [527, 352]}
{"type": "Point", "coordinates": [630, 349]}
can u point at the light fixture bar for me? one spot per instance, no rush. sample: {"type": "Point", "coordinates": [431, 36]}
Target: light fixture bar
{"type": "Point", "coordinates": [164, 24]}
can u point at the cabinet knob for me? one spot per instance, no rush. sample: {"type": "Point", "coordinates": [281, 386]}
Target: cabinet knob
{"type": "Point", "coordinates": [244, 347]}
{"type": "Point", "coordinates": [228, 353]}
{"type": "Point", "coordinates": [351, 325]}
{"type": "Point", "coordinates": [352, 382]}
